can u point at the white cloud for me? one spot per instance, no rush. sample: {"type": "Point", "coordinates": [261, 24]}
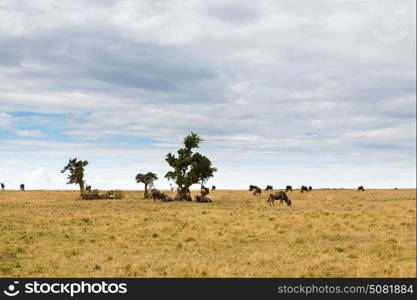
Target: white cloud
{"type": "Point", "coordinates": [29, 133]}
{"type": "Point", "coordinates": [37, 179]}
{"type": "Point", "coordinates": [5, 121]}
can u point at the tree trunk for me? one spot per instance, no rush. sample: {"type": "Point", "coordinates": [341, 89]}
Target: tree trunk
{"type": "Point", "coordinates": [146, 191]}
{"type": "Point", "coordinates": [183, 194]}
{"type": "Point", "coordinates": [81, 187]}
{"type": "Point", "coordinates": [178, 196]}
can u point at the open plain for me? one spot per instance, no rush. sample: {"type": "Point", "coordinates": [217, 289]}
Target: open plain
{"type": "Point", "coordinates": [325, 233]}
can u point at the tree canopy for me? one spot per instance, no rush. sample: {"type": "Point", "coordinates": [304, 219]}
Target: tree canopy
{"type": "Point", "coordinates": [147, 179]}
{"type": "Point", "coordinates": [76, 172]}
{"type": "Point", "coordinates": [189, 167]}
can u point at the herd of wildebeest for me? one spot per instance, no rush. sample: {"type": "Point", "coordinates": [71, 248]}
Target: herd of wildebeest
{"type": "Point", "coordinates": [280, 196]}
{"type": "Point", "coordinates": [202, 198]}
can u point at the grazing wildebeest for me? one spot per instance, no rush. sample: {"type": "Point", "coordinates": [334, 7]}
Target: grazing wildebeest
{"type": "Point", "coordinates": [304, 189]}
{"type": "Point", "coordinates": [269, 188]}
{"type": "Point", "coordinates": [213, 188]}
{"type": "Point", "coordinates": [360, 188]}
{"type": "Point", "coordinates": [281, 196]}
{"type": "Point", "coordinates": [22, 187]}
{"type": "Point", "coordinates": [310, 188]}
{"type": "Point", "coordinates": [288, 188]}
{"type": "Point", "coordinates": [257, 191]}
{"type": "Point", "coordinates": [2, 186]}
{"type": "Point", "coordinates": [252, 187]}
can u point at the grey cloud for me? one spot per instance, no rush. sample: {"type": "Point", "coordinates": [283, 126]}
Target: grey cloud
{"type": "Point", "coordinates": [260, 80]}
{"type": "Point", "coordinates": [239, 14]}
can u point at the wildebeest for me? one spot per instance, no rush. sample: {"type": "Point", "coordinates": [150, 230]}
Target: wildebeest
{"type": "Point", "coordinates": [310, 188]}
{"type": "Point", "coordinates": [257, 191]}
{"type": "Point", "coordinates": [281, 196]}
{"type": "Point", "coordinates": [269, 188]}
{"type": "Point", "coordinates": [204, 191]}
{"type": "Point", "coordinates": [288, 188]}
{"type": "Point", "coordinates": [213, 187]}
{"type": "Point", "coordinates": [202, 199]}
{"type": "Point", "coordinates": [156, 194]}
{"type": "Point", "coordinates": [2, 186]}
{"type": "Point", "coordinates": [360, 188]}
{"type": "Point", "coordinates": [252, 187]}
{"type": "Point", "coordinates": [304, 189]}
{"type": "Point", "coordinates": [165, 198]}
{"type": "Point", "coordinates": [22, 187]}
{"type": "Point", "coordinates": [88, 188]}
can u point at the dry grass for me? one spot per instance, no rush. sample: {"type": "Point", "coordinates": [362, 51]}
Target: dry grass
{"type": "Point", "coordinates": [326, 233]}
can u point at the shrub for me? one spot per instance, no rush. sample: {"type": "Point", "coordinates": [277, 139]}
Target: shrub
{"type": "Point", "coordinates": [95, 195]}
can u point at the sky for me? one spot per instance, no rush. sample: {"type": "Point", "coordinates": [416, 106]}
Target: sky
{"type": "Point", "coordinates": [319, 93]}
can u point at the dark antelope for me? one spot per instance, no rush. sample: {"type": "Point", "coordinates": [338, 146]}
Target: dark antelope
{"type": "Point", "coordinates": [281, 196]}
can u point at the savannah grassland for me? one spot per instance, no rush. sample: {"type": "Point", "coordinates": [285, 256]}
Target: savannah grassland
{"type": "Point", "coordinates": [326, 233]}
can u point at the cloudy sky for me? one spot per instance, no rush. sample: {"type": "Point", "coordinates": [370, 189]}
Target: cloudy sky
{"type": "Point", "coordinates": [319, 93]}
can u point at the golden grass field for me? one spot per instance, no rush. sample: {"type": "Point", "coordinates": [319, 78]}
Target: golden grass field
{"type": "Point", "coordinates": [325, 233]}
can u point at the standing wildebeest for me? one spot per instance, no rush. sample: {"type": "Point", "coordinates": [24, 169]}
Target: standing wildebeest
{"type": "Point", "coordinates": [213, 188]}
{"type": "Point", "coordinates": [204, 191]}
{"type": "Point", "coordinates": [22, 187]}
{"type": "Point", "coordinates": [360, 188]}
{"type": "Point", "coordinates": [269, 188]}
{"type": "Point", "coordinates": [310, 188]}
{"type": "Point", "coordinates": [304, 189]}
{"type": "Point", "coordinates": [288, 188]}
{"type": "Point", "coordinates": [2, 186]}
{"type": "Point", "coordinates": [88, 188]}
{"type": "Point", "coordinates": [281, 196]}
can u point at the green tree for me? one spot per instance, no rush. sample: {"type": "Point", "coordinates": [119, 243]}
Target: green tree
{"type": "Point", "coordinates": [147, 179]}
{"type": "Point", "coordinates": [76, 172]}
{"type": "Point", "coordinates": [189, 167]}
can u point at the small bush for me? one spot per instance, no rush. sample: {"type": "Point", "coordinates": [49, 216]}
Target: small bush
{"type": "Point", "coordinates": [95, 195]}
{"type": "Point", "coordinates": [117, 194]}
